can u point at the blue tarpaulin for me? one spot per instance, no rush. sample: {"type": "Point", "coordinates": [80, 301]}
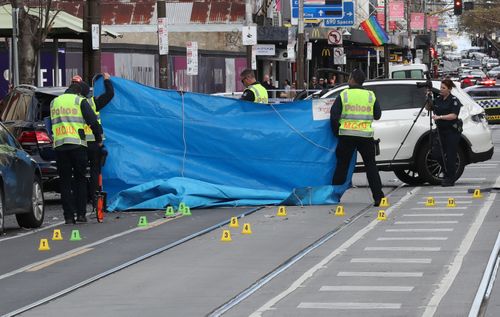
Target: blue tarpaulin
{"type": "Point", "coordinates": [167, 147]}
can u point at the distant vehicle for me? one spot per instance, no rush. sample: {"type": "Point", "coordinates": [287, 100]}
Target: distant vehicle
{"type": "Point", "coordinates": [494, 72]}
{"type": "Point", "coordinates": [400, 101]}
{"type": "Point", "coordinates": [487, 95]}
{"type": "Point", "coordinates": [475, 64]}
{"type": "Point", "coordinates": [464, 62]}
{"type": "Point", "coordinates": [407, 71]}
{"type": "Point", "coordinates": [20, 184]}
{"type": "Point", "coordinates": [491, 62]}
{"type": "Point", "coordinates": [472, 78]}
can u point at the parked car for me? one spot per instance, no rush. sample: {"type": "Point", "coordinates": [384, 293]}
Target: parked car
{"type": "Point", "coordinates": [401, 102]}
{"type": "Point", "coordinates": [491, 62]}
{"type": "Point", "coordinates": [23, 111]}
{"type": "Point", "coordinates": [487, 95]}
{"type": "Point", "coordinates": [407, 71]}
{"type": "Point", "coordinates": [494, 72]}
{"type": "Point", "coordinates": [20, 184]}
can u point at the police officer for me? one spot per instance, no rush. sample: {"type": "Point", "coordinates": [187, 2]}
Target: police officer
{"type": "Point", "coordinates": [69, 113]}
{"type": "Point", "coordinates": [446, 108]}
{"type": "Point", "coordinates": [351, 119]}
{"type": "Point", "coordinates": [254, 91]}
{"type": "Point", "coordinates": [94, 151]}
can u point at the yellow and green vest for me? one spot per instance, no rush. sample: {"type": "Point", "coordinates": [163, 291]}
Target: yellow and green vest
{"type": "Point", "coordinates": [67, 120]}
{"type": "Point", "coordinates": [357, 113]}
{"type": "Point", "coordinates": [89, 135]}
{"type": "Point", "coordinates": [259, 92]}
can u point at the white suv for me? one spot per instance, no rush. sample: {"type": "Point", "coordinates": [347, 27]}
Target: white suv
{"type": "Point", "coordinates": [401, 101]}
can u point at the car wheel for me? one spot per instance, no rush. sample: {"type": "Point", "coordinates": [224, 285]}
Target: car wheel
{"type": "Point", "coordinates": [34, 218]}
{"type": "Point", "coordinates": [2, 212]}
{"type": "Point", "coordinates": [429, 168]}
{"type": "Point", "coordinates": [409, 177]}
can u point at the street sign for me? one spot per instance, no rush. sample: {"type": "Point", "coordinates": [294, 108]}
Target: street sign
{"type": "Point", "coordinates": [347, 19]}
{"type": "Point", "coordinates": [317, 9]}
{"type": "Point", "coordinates": [192, 58]}
{"type": "Point", "coordinates": [309, 51]}
{"type": "Point", "coordinates": [338, 56]}
{"type": "Point", "coordinates": [265, 49]}
{"type": "Point", "coordinates": [334, 37]}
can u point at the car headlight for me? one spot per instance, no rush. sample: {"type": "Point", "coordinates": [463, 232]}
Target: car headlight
{"type": "Point", "coordinates": [478, 117]}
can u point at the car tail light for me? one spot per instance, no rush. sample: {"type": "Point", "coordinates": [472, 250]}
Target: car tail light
{"type": "Point", "coordinates": [34, 137]}
{"type": "Point", "coordinates": [488, 82]}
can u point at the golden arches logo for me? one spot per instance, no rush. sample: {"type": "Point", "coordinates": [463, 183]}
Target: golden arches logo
{"type": "Point", "coordinates": [326, 52]}
{"type": "Point", "coordinates": [315, 33]}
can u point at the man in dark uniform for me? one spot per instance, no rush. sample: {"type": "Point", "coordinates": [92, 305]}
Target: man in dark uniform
{"type": "Point", "coordinates": [254, 91]}
{"type": "Point", "coordinates": [69, 113]}
{"type": "Point", "coordinates": [351, 118]}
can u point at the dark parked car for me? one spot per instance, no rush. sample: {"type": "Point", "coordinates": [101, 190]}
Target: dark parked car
{"type": "Point", "coordinates": [20, 184]}
{"type": "Point", "coordinates": [23, 111]}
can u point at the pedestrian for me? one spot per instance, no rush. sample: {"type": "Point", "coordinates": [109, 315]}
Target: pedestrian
{"type": "Point", "coordinates": [69, 113]}
{"type": "Point", "coordinates": [266, 82]}
{"type": "Point", "coordinates": [286, 88]}
{"type": "Point", "coordinates": [331, 81]}
{"type": "Point", "coordinates": [94, 151]}
{"type": "Point", "coordinates": [314, 83]}
{"type": "Point", "coordinates": [254, 91]}
{"type": "Point", "coordinates": [322, 84]}
{"type": "Point", "coordinates": [446, 109]}
{"type": "Point", "coordinates": [351, 118]}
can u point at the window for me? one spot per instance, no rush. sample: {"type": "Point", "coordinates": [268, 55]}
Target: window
{"type": "Point", "coordinates": [16, 107]}
{"type": "Point", "coordinates": [395, 97]}
{"type": "Point", "coordinates": [6, 138]}
{"type": "Point", "coordinates": [408, 74]}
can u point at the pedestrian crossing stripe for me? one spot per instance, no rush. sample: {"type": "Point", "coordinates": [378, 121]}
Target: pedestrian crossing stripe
{"type": "Point", "coordinates": [489, 103]}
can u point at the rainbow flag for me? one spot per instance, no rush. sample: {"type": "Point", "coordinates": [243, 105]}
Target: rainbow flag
{"type": "Point", "coordinates": [374, 31]}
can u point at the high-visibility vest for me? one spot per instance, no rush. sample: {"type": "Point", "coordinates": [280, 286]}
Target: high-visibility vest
{"type": "Point", "coordinates": [357, 113]}
{"type": "Point", "coordinates": [259, 92]}
{"type": "Point", "coordinates": [89, 135]}
{"type": "Point", "coordinates": [67, 120]}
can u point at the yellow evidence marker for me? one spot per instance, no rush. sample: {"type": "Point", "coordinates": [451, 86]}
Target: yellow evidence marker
{"type": "Point", "coordinates": [281, 211]}
{"type": "Point", "coordinates": [234, 222]}
{"type": "Point", "coordinates": [477, 193]}
{"type": "Point", "coordinates": [451, 202]}
{"type": "Point", "coordinates": [339, 211]}
{"type": "Point", "coordinates": [226, 236]}
{"type": "Point", "coordinates": [381, 215]}
{"type": "Point", "coordinates": [44, 245]}
{"type": "Point", "coordinates": [57, 235]}
{"type": "Point", "coordinates": [246, 229]}
{"type": "Point", "coordinates": [430, 202]}
{"type": "Point", "coordinates": [384, 202]}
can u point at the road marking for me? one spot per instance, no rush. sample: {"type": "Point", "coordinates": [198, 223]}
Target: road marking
{"type": "Point", "coordinates": [433, 215]}
{"type": "Point", "coordinates": [437, 208]}
{"type": "Point", "coordinates": [90, 245]}
{"type": "Point", "coordinates": [421, 230]}
{"type": "Point", "coordinates": [452, 196]}
{"type": "Point", "coordinates": [449, 192]}
{"type": "Point", "coordinates": [412, 238]}
{"type": "Point", "coordinates": [391, 260]}
{"type": "Point", "coordinates": [456, 264]}
{"type": "Point", "coordinates": [323, 263]}
{"type": "Point", "coordinates": [365, 288]}
{"type": "Point", "coordinates": [49, 263]}
{"type": "Point", "coordinates": [430, 222]}
{"type": "Point", "coordinates": [484, 166]}
{"type": "Point", "coordinates": [381, 274]}
{"type": "Point", "coordinates": [350, 305]}
{"type": "Point", "coordinates": [458, 202]}
{"type": "Point", "coordinates": [32, 231]}
{"type": "Point", "coordinates": [470, 179]}
{"type": "Point", "coordinates": [412, 249]}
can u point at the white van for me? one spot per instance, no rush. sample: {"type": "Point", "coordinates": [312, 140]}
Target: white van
{"type": "Point", "coordinates": [407, 71]}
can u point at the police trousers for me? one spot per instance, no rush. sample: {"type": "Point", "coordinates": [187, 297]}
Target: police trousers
{"type": "Point", "coordinates": [346, 147]}
{"type": "Point", "coordinates": [449, 139]}
{"type": "Point", "coordinates": [94, 159]}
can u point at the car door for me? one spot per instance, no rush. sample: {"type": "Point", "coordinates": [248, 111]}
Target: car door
{"type": "Point", "coordinates": [400, 105]}
{"type": "Point", "coordinates": [8, 173]}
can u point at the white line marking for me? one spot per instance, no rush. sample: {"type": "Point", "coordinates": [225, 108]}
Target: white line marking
{"type": "Point", "coordinates": [412, 249]}
{"type": "Point", "coordinates": [430, 222]}
{"type": "Point", "coordinates": [412, 238]}
{"type": "Point", "coordinates": [321, 264]}
{"type": "Point", "coordinates": [420, 230]}
{"type": "Point", "coordinates": [381, 274]}
{"type": "Point", "coordinates": [484, 166]}
{"type": "Point", "coordinates": [470, 179]}
{"type": "Point", "coordinates": [433, 215]}
{"type": "Point", "coordinates": [458, 202]}
{"type": "Point", "coordinates": [365, 288]}
{"type": "Point", "coordinates": [32, 231]}
{"type": "Point", "coordinates": [350, 305]}
{"type": "Point", "coordinates": [451, 196]}
{"type": "Point", "coordinates": [450, 192]}
{"type": "Point", "coordinates": [437, 208]}
{"type": "Point", "coordinates": [456, 264]}
{"type": "Point", "coordinates": [391, 260]}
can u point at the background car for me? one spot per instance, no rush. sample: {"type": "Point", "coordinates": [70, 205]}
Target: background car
{"type": "Point", "coordinates": [23, 111]}
{"type": "Point", "coordinates": [487, 95]}
{"type": "Point", "coordinates": [491, 62]}
{"type": "Point", "coordinates": [20, 184]}
{"type": "Point", "coordinates": [402, 104]}
{"type": "Point", "coordinates": [494, 72]}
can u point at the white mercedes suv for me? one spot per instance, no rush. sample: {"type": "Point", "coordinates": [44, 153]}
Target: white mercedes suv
{"type": "Point", "coordinates": [401, 101]}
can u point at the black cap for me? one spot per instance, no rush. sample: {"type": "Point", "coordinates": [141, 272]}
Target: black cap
{"type": "Point", "coordinates": [358, 76]}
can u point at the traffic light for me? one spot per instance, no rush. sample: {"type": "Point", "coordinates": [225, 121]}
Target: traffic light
{"type": "Point", "coordinates": [457, 7]}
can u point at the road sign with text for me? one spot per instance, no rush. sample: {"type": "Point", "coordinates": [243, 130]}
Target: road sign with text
{"type": "Point", "coordinates": [347, 19]}
{"type": "Point", "coordinates": [317, 9]}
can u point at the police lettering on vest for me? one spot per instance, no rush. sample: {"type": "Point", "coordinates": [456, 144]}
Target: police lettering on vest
{"type": "Point", "coordinates": [67, 120]}
{"type": "Point", "coordinates": [357, 113]}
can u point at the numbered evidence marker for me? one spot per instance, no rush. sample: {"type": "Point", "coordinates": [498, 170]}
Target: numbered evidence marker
{"type": "Point", "coordinates": [339, 211]}
{"type": "Point", "coordinates": [246, 229]}
{"type": "Point", "coordinates": [169, 212]}
{"type": "Point", "coordinates": [234, 222]}
{"type": "Point", "coordinates": [281, 211]}
{"type": "Point", "coordinates": [226, 236]}
{"type": "Point", "coordinates": [44, 245]}
{"type": "Point", "coordinates": [430, 202]}
{"type": "Point", "coordinates": [451, 202]}
{"type": "Point", "coordinates": [384, 202]}
{"type": "Point", "coordinates": [477, 193]}
{"type": "Point", "coordinates": [381, 215]}
{"type": "Point", "coordinates": [57, 235]}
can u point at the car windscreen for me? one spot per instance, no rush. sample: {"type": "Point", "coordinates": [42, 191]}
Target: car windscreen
{"type": "Point", "coordinates": [396, 97]}
{"type": "Point", "coordinates": [408, 74]}
{"type": "Point", "coordinates": [16, 107]}
{"type": "Point", "coordinates": [44, 101]}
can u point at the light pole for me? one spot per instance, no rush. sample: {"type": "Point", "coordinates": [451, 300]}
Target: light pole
{"type": "Point", "coordinates": [300, 46]}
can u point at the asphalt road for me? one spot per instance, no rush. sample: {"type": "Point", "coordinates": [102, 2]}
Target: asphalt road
{"type": "Point", "coordinates": [421, 261]}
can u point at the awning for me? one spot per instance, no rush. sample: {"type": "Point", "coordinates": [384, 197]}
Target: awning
{"type": "Point", "coordinates": [66, 26]}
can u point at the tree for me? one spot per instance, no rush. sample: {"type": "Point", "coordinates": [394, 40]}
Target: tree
{"type": "Point", "coordinates": [483, 19]}
{"type": "Point", "coordinates": [35, 19]}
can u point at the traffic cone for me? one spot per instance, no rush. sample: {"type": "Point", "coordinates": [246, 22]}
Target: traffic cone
{"type": "Point", "coordinates": [430, 202]}
{"type": "Point", "coordinates": [143, 221]}
{"type": "Point", "coordinates": [234, 222]}
{"type": "Point", "coordinates": [57, 235]}
{"type": "Point", "coordinates": [451, 202]}
{"type": "Point", "coordinates": [339, 211]}
{"type": "Point", "coordinates": [381, 215]}
{"type": "Point", "coordinates": [246, 229]}
{"type": "Point", "coordinates": [169, 212]}
{"type": "Point", "coordinates": [281, 211]}
{"type": "Point", "coordinates": [384, 202]}
{"type": "Point", "coordinates": [186, 211]}
{"type": "Point", "coordinates": [226, 236]}
{"type": "Point", "coordinates": [44, 245]}
{"type": "Point", "coordinates": [477, 193]}
{"type": "Point", "coordinates": [75, 235]}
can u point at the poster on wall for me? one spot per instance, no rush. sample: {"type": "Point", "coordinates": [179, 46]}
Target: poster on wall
{"type": "Point", "coordinates": [162, 36]}
{"type": "Point", "coordinates": [192, 58]}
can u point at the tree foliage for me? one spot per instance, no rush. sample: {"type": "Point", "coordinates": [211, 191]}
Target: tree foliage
{"type": "Point", "coordinates": [483, 19]}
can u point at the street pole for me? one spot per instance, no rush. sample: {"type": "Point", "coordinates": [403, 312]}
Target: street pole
{"type": "Point", "coordinates": [15, 56]}
{"type": "Point", "coordinates": [91, 56]}
{"type": "Point", "coordinates": [163, 58]}
{"type": "Point", "coordinates": [300, 47]}
{"type": "Point", "coordinates": [248, 22]}
{"type": "Point", "coordinates": [386, 45]}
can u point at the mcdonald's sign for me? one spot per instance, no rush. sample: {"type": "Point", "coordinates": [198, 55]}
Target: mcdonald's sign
{"type": "Point", "coordinates": [326, 52]}
{"type": "Point", "coordinates": [315, 34]}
